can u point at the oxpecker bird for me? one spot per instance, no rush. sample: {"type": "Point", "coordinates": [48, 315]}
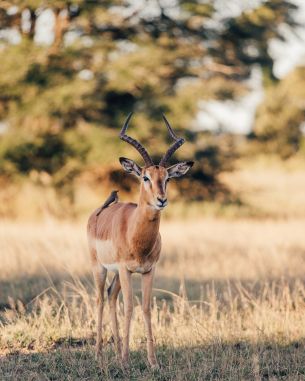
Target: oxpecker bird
{"type": "Point", "coordinates": [113, 198]}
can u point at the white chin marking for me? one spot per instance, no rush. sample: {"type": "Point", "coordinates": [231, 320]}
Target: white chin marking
{"type": "Point", "coordinates": [160, 207]}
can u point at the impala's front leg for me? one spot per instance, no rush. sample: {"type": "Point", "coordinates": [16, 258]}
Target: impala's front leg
{"type": "Point", "coordinates": [100, 276]}
{"type": "Point", "coordinates": [147, 283]}
{"type": "Point", "coordinates": [125, 279]}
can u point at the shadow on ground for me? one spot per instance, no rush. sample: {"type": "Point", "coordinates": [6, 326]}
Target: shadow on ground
{"type": "Point", "coordinates": [73, 358]}
{"type": "Point", "coordinates": [217, 361]}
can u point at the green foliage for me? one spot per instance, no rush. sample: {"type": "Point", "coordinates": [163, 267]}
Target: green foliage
{"type": "Point", "coordinates": [65, 103]}
{"type": "Point", "coordinates": [49, 159]}
{"type": "Point", "coordinates": [245, 39]}
{"type": "Point", "coordinates": [281, 114]}
{"type": "Point", "coordinates": [47, 152]}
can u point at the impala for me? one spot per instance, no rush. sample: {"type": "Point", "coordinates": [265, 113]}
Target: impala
{"type": "Point", "coordinates": [125, 238]}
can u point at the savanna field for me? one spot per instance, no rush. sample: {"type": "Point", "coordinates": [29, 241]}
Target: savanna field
{"type": "Point", "coordinates": [229, 293]}
{"type": "Point", "coordinates": [228, 301]}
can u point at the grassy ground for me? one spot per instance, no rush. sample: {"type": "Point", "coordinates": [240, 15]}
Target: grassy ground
{"type": "Point", "coordinates": [229, 297]}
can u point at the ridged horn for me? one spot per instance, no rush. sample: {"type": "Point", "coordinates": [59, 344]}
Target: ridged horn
{"type": "Point", "coordinates": [147, 159]}
{"type": "Point", "coordinates": [178, 143]}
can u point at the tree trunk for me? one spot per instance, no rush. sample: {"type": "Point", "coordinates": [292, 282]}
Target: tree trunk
{"type": "Point", "coordinates": [61, 25]}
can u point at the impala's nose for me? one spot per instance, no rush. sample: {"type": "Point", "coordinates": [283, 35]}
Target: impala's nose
{"type": "Point", "coordinates": [162, 202]}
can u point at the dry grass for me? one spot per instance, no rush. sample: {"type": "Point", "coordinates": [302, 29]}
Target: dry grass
{"type": "Point", "coordinates": [240, 314]}
{"type": "Point", "coordinates": [229, 298]}
{"type": "Point", "coordinates": [269, 188]}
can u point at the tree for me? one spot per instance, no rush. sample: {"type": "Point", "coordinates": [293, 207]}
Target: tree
{"type": "Point", "coordinates": [280, 116]}
{"type": "Point", "coordinates": [108, 59]}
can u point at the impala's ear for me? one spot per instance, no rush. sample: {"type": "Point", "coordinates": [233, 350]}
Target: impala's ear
{"type": "Point", "coordinates": [130, 166]}
{"type": "Point", "coordinates": [179, 169]}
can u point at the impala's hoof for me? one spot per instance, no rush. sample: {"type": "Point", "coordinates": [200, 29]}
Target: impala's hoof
{"type": "Point", "coordinates": [154, 364]}
{"type": "Point", "coordinates": [125, 367]}
{"type": "Point", "coordinates": [125, 362]}
{"type": "Point", "coordinates": [118, 350]}
{"type": "Point", "coordinates": [98, 352]}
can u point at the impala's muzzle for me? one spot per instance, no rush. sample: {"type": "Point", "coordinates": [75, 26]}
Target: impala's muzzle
{"type": "Point", "coordinates": [161, 203]}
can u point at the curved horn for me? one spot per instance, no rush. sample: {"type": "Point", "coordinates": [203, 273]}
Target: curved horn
{"type": "Point", "coordinates": [147, 159]}
{"type": "Point", "coordinates": [178, 143]}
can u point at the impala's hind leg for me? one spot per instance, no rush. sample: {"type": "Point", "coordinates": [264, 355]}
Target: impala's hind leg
{"type": "Point", "coordinates": [113, 292]}
{"type": "Point", "coordinates": [125, 279]}
{"type": "Point", "coordinates": [100, 275]}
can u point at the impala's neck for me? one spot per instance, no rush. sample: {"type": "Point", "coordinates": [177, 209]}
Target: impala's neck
{"type": "Point", "coordinates": [144, 229]}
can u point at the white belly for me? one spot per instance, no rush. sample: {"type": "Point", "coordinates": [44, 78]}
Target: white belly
{"type": "Point", "coordinates": [106, 255]}
{"type": "Point", "coordinates": [111, 267]}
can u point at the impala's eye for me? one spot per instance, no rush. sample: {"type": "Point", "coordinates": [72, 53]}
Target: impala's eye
{"type": "Point", "coordinates": [167, 180]}
{"type": "Point", "coordinates": [145, 178]}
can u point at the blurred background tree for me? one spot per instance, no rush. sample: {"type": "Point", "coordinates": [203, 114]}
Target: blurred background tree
{"type": "Point", "coordinates": [64, 98]}
{"type": "Point", "coordinates": [281, 116]}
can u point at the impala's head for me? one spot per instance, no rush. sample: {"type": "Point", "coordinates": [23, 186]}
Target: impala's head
{"type": "Point", "coordinates": [154, 178]}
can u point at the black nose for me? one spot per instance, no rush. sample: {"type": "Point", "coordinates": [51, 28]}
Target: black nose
{"type": "Point", "coordinates": [163, 201]}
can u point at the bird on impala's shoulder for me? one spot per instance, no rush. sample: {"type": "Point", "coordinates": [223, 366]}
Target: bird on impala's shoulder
{"type": "Point", "coordinates": [112, 199]}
